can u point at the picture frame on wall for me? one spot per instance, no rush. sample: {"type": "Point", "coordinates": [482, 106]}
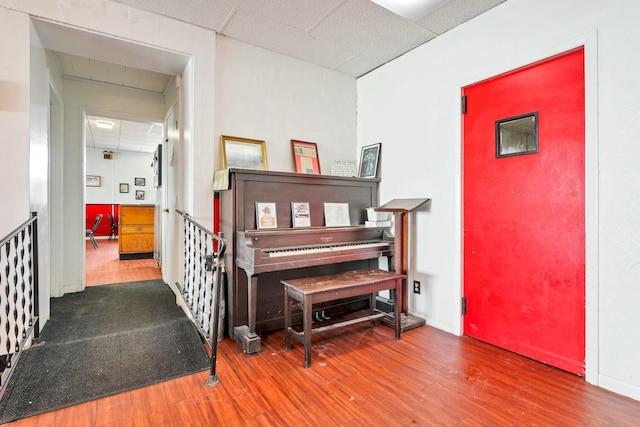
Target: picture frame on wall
{"type": "Point", "coordinates": [243, 153]}
{"type": "Point", "coordinates": [139, 194]}
{"type": "Point", "coordinates": [93, 181]}
{"type": "Point", "coordinates": [305, 157]}
{"type": "Point", "coordinates": [124, 187]}
{"type": "Point", "coordinates": [369, 161]}
{"type": "Point", "coordinates": [140, 182]}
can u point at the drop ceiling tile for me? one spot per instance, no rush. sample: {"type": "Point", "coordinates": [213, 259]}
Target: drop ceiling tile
{"type": "Point", "coordinates": [379, 33]}
{"type": "Point", "coordinates": [300, 14]}
{"type": "Point", "coordinates": [256, 31]}
{"type": "Point", "coordinates": [204, 13]}
{"type": "Point", "coordinates": [129, 146]}
{"type": "Point", "coordinates": [358, 65]}
{"type": "Point", "coordinates": [116, 74]}
{"type": "Point", "coordinates": [79, 67]}
{"type": "Point", "coordinates": [99, 71]}
{"type": "Point", "coordinates": [454, 13]}
{"type": "Point", "coordinates": [109, 145]}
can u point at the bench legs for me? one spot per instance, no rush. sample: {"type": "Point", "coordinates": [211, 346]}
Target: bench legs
{"type": "Point", "coordinates": [287, 319]}
{"type": "Point", "coordinates": [291, 294]}
{"type": "Point", "coordinates": [307, 322]}
{"type": "Point", "coordinates": [307, 312]}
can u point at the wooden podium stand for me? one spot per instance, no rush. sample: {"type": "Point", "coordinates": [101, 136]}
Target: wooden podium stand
{"type": "Point", "coordinates": [401, 209]}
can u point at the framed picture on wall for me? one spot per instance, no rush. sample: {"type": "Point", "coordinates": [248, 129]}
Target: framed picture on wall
{"type": "Point", "coordinates": [124, 187]}
{"type": "Point", "coordinates": [369, 160]}
{"type": "Point", "coordinates": [140, 182]}
{"type": "Point", "coordinates": [243, 153]}
{"type": "Point", "coordinates": [139, 194]}
{"type": "Point", "coordinates": [305, 157]}
{"type": "Point", "coordinates": [93, 181]}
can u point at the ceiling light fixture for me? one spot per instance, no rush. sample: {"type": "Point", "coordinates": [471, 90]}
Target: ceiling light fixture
{"type": "Point", "coordinates": [410, 9]}
{"type": "Point", "coordinates": [104, 124]}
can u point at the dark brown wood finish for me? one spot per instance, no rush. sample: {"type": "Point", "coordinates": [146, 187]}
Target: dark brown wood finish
{"type": "Point", "coordinates": [254, 293]}
{"type": "Point", "coordinates": [313, 290]}
{"type": "Point", "coordinates": [363, 377]}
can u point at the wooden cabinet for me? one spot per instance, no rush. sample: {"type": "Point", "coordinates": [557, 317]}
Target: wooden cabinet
{"type": "Point", "coordinates": [136, 231]}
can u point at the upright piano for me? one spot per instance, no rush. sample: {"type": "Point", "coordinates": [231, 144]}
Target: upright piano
{"type": "Point", "coordinates": [257, 260]}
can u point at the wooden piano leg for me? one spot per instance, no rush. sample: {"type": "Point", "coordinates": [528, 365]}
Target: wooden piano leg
{"type": "Point", "coordinates": [245, 335]}
{"type": "Point", "coordinates": [252, 303]}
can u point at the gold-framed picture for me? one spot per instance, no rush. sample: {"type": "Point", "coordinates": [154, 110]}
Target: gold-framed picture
{"type": "Point", "coordinates": [243, 153]}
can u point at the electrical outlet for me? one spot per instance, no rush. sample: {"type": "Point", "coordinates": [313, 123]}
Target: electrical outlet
{"type": "Point", "coordinates": [416, 287]}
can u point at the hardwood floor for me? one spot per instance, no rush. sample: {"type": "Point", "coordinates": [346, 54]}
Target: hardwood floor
{"type": "Point", "coordinates": [103, 265]}
{"type": "Point", "coordinates": [362, 377]}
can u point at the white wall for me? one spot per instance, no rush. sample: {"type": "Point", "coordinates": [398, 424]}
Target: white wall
{"type": "Point", "coordinates": [14, 120]}
{"type": "Point", "coordinates": [123, 168]}
{"type": "Point", "coordinates": [270, 97]}
{"type": "Point", "coordinates": [412, 106]}
{"type": "Point", "coordinates": [39, 165]}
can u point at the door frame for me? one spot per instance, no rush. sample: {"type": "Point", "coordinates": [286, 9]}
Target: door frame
{"type": "Point", "coordinates": [524, 59]}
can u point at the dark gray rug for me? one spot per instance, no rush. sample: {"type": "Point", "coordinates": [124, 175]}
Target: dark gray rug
{"type": "Point", "coordinates": [103, 341]}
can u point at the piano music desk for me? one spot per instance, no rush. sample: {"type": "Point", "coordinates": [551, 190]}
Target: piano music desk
{"type": "Point", "coordinates": [312, 290]}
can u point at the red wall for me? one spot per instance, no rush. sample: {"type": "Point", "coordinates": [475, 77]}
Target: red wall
{"type": "Point", "coordinates": [92, 211]}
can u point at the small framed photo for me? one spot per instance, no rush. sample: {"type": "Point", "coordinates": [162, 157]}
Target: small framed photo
{"type": "Point", "coordinates": [305, 157]}
{"type": "Point", "coordinates": [243, 153]}
{"type": "Point", "coordinates": [266, 215]}
{"type": "Point", "coordinates": [139, 182]}
{"type": "Point", "coordinates": [93, 181]}
{"type": "Point", "coordinates": [139, 194]}
{"type": "Point", "coordinates": [369, 160]}
{"type": "Point", "coordinates": [300, 214]}
{"type": "Point", "coordinates": [124, 187]}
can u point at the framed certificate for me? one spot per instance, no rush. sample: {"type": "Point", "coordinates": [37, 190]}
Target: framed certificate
{"type": "Point", "coordinates": [305, 157]}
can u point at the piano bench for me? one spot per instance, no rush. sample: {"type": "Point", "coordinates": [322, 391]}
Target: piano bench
{"type": "Point", "coordinates": [312, 290]}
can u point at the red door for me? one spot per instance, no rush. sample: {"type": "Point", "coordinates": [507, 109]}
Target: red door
{"type": "Point", "coordinates": [524, 231]}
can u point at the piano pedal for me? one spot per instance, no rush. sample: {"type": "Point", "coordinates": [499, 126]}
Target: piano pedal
{"type": "Point", "coordinates": [324, 316]}
{"type": "Point", "coordinates": [316, 317]}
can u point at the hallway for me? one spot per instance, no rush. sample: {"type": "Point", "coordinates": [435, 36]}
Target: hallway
{"type": "Point", "coordinates": [104, 267]}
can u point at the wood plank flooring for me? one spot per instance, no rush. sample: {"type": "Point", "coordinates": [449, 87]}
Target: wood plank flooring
{"type": "Point", "coordinates": [103, 265]}
{"type": "Point", "coordinates": [363, 377]}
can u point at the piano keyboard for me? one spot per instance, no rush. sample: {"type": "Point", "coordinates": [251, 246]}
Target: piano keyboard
{"type": "Point", "coordinates": [320, 249]}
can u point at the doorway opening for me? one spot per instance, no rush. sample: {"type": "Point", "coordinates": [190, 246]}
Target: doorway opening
{"type": "Point", "coordinates": [122, 152]}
